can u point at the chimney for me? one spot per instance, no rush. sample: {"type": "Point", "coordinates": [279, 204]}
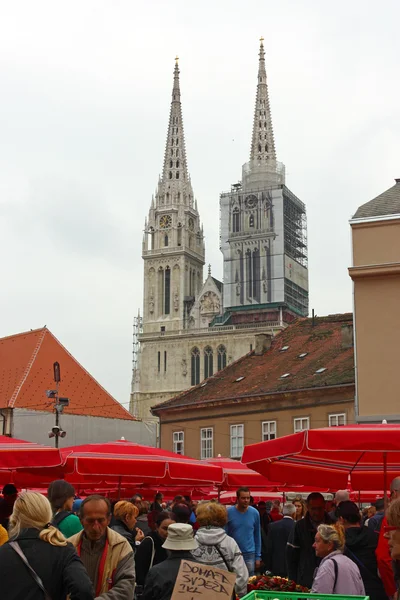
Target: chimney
{"type": "Point", "coordinates": [347, 335]}
{"type": "Point", "coordinates": [263, 343]}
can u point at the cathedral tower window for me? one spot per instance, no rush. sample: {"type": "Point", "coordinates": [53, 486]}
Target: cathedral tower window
{"type": "Point", "coordinates": [195, 366]}
{"type": "Point", "coordinates": [236, 220]}
{"type": "Point", "coordinates": [208, 362]}
{"type": "Point", "coordinates": [221, 350]}
{"type": "Point", "coordinates": [151, 233]}
{"type": "Point", "coordinates": [165, 361]}
{"type": "Point", "coordinates": [166, 240]}
{"type": "Point", "coordinates": [256, 275]}
{"type": "Point", "coordinates": [159, 361]}
{"type": "Point", "coordinates": [177, 164]}
{"type": "Point", "coordinates": [251, 221]}
{"type": "Point", "coordinates": [167, 291]}
{"type": "Point", "coordinates": [249, 278]}
{"type": "Point", "coordinates": [177, 174]}
{"type": "Point", "coordinates": [179, 233]}
{"type": "Point", "coordinates": [170, 164]}
{"type": "Point", "coordinates": [170, 175]}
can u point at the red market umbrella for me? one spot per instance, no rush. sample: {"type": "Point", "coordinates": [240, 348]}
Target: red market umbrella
{"type": "Point", "coordinates": [16, 455]}
{"type": "Point", "coordinates": [123, 463]}
{"type": "Point", "coordinates": [237, 474]}
{"type": "Point", "coordinates": [367, 455]}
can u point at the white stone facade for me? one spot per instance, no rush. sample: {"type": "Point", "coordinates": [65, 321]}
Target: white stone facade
{"type": "Point", "coordinates": [193, 328]}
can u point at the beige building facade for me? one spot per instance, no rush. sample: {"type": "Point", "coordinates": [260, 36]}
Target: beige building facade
{"type": "Point", "coordinates": [376, 277]}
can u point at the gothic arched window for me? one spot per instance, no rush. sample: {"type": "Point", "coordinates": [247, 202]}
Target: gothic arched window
{"type": "Point", "coordinates": [195, 366]}
{"type": "Point", "coordinates": [251, 221]}
{"type": "Point", "coordinates": [221, 357]}
{"type": "Point", "coordinates": [167, 290]}
{"type": "Point", "coordinates": [208, 362]}
{"type": "Point", "coordinates": [177, 164]}
{"type": "Point", "coordinates": [236, 220]}
{"type": "Point", "coordinates": [170, 164]}
{"type": "Point", "coordinates": [259, 147]}
{"type": "Point", "coordinates": [170, 174]}
{"type": "Point", "coordinates": [166, 240]}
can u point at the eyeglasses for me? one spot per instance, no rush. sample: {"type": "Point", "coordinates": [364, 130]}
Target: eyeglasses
{"type": "Point", "coordinates": [387, 528]}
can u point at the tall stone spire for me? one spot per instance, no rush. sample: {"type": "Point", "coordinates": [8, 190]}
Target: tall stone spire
{"type": "Point", "coordinates": [175, 179]}
{"type": "Point", "coordinates": [263, 168]}
{"type": "Point", "coordinates": [262, 144]}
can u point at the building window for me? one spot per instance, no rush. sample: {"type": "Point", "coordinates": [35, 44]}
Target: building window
{"type": "Point", "coordinates": [221, 357]}
{"type": "Point", "coordinates": [195, 366]}
{"type": "Point", "coordinates": [165, 240]}
{"type": "Point", "coordinates": [206, 440]}
{"type": "Point", "coordinates": [178, 442]}
{"type": "Point", "coordinates": [301, 424]}
{"type": "Point", "coordinates": [236, 220]}
{"type": "Point", "coordinates": [165, 361]}
{"type": "Point", "coordinates": [208, 362]}
{"type": "Point", "coordinates": [251, 221]}
{"type": "Point", "coordinates": [167, 290]}
{"type": "Point", "coordinates": [159, 361]}
{"type": "Point", "coordinates": [249, 265]}
{"type": "Point", "coordinates": [237, 435]}
{"type": "Point", "coordinates": [256, 275]}
{"type": "Point", "coordinates": [268, 430]}
{"type": "Point", "coordinates": [337, 419]}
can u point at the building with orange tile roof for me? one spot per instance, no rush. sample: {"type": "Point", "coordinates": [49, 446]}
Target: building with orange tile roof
{"type": "Point", "coordinates": [26, 372]}
{"type": "Point", "coordinates": [303, 378]}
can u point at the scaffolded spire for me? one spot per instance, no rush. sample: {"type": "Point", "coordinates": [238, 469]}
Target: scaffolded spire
{"type": "Point", "coordinates": [262, 150]}
{"type": "Point", "coordinates": [175, 167]}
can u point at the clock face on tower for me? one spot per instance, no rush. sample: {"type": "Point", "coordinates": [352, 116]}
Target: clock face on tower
{"type": "Point", "coordinates": [165, 221]}
{"type": "Point", "coordinates": [251, 201]}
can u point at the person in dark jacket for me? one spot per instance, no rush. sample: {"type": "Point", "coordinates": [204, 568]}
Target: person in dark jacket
{"type": "Point", "coordinates": [61, 496]}
{"type": "Point", "coordinates": [156, 505]}
{"type": "Point", "coordinates": [10, 494]}
{"type": "Point", "coordinates": [361, 543]}
{"type": "Point", "coordinates": [300, 555]}
{"type": "Point", "coordinates": [278, 535]}
{"type": "Point", "coordinates": [125, 515]}
{"type": "Point", "coordinates": [47, 551]}
{"type": "Point", "coordinates": [161, 579]}
{"type": "Point", "coordinates": [151, 551]}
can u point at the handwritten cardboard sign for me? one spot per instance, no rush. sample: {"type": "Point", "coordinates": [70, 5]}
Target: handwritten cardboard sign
{"type": "Point", "coordinates": [196, 581]}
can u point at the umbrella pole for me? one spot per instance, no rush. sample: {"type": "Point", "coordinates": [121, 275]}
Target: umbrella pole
{"type": "Point", "coordinates": [385, 479]}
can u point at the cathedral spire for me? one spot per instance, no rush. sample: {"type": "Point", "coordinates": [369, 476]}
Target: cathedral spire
{"type": "Point", "coordinates": [262, 150]}
{"type": "Point", "coordinates": [175, 172]}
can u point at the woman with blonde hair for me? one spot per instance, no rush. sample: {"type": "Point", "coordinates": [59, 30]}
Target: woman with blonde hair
{"type": "Point", "coordinates": [125, 517]}
{"type": "Point", "coordinates": [336, 574]}
{"type": "Point", "coordinates": [301, 508]}
{"type": "Point", "coordinates": [38, 562]}
{"type": "Point", "coordinates": [216, 547]}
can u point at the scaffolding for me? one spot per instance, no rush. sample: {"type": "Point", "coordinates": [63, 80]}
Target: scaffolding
{"type": "Point", "coordinates": [137, 330]}
{"type": "Point", "coordinates": [295, 227]}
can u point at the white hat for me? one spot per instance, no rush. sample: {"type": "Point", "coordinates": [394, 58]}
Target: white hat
{"type": "Point", "coordinates": [180, 537]}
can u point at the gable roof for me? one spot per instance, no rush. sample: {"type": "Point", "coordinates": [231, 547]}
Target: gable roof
{"type": "Point", "coordinates": [261, 375]}
{"type": "Point", "coordinates": [387, 203]}
{"type": "Point", "coordinates": [218, 283]}
{"type": "Point", "coordinates": [26, 372]}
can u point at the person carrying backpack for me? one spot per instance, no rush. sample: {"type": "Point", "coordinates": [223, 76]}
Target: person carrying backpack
{"type": "Point", "coordinates": [61, 497]}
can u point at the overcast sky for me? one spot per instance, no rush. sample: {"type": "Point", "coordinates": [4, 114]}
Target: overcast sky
{"type": "Point", "coordinates": [85, 91]}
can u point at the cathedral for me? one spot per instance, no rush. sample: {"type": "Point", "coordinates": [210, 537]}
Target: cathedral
{"type": "Point", "coordinates": [192, 327]}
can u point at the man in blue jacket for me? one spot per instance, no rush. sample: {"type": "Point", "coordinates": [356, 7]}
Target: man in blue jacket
{"type": "Point", "coordinates": [244, 526]}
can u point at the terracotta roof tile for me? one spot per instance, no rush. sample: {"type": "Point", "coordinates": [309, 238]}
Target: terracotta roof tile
{"type": "Point", "coordinates": [254, 375]}
{"type": "Point", "coordinates": [26, 372]}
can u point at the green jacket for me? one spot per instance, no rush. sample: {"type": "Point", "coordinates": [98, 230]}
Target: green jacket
{"type": "Point", "coordinates": [70, 526]}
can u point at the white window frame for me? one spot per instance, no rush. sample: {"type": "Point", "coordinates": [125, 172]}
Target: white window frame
{"type": "Point", "coordinates": [237, 440]}
{"type": "Point", "coordinates": [178, 440]}
{"type": "Point", "coordinates": [206, 443]}
{"type": "Point", "coordinates": [333, 419]}
{"type": "Point", "coordinates": [268, 430]}
{"type": "Point", "coordinates": [301, 424]}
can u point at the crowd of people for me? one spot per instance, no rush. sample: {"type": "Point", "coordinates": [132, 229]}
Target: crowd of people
{"type": "Point", "coordinates": [60, 545]}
